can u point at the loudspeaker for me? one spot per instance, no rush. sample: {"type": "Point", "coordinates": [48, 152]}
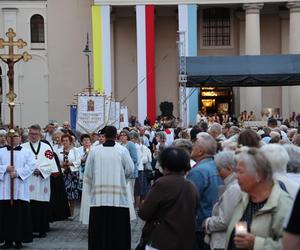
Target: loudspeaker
{"type": "Point", "coordinates": [166, 109]}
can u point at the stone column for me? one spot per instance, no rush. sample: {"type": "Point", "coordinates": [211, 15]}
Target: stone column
{"type": "Point", "coordinates": [294, 27]}
{"type": "Point", "coordinates": [252, 28]}
{"type": "Point", "coordinates": [253, 95]}
{"type": "Point", "coordinates": [294, 48]}
{"type": "Point", "coordinates": [285, 90]}
{"type": "Point", "coordinates": [240, 92]}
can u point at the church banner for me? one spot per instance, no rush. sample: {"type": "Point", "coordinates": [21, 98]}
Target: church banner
{"type": "Point", "coordinates": [107, 110]}
{"type": "Point", "coordinates": [117, 115]}
{"type": "Point", "coordinates": [123, 117]}
{"type": "Point", "coordinates": [112, 113]}
{"type": "Point", "coordinates": [90, 113]}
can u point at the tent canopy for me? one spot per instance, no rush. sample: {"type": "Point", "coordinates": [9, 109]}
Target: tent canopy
{"type": "Point", "coordinates": [247, 71]}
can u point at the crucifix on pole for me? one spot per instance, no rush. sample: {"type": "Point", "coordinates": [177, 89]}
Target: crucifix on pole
{"type": "Point", "coordinates": [11, 59]}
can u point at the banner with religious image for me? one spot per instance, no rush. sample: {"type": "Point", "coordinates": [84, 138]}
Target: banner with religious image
{"type": "Point", "coordinates": [90, 113]}
{"type": "Point", "coordinates": [123, 117]}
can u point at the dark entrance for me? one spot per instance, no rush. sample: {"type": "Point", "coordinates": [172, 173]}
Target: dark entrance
{"type": "Point", "coordinates": [216, 100]}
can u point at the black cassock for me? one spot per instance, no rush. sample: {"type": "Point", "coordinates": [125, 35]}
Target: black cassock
{"type": "Point", "coordinates": [15, 221]}
{"type": "Point", "coordinates": [59, 206]}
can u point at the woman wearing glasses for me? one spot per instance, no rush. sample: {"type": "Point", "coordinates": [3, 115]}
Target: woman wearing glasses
{"type": "Point", "coordinates": [257, 221]}
{"type": "Point", "coordinates": [70, 162]}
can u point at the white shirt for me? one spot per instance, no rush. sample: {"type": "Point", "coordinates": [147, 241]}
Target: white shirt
{"type": "Point", "coordinates": [105, 176]}
{"type": "Point", "coordinates": [39, 186]}
{"type": "Point", "coordinates": [291, 186]}
{"type": "Point", "coordinates": [73, 157]}
{"type": "Point", "coordinates": [24, 164]}
{"type": "Point", "coordinates": [139, 156]}
{"type": "Point", "coordinates": [49, 138]}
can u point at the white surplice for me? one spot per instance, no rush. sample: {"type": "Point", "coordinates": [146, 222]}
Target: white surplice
{"type": "Point", "coordinates": [73, 157]}
{"type": "Point", "coordinates": [39, 186]}
{"type": "Point", "coordinates": [24, 164]}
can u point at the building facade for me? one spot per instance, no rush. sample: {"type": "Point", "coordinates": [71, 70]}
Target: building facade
{"type": "Point", "coordinates": [135, 53]}
{"type": "Point", "coordinates": [55, 32]}
{"type": "Point", "coordinates": [143, 54]}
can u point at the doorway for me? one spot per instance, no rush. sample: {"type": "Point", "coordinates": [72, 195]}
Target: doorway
{"type": "Point", "coordinates": [216, 100]}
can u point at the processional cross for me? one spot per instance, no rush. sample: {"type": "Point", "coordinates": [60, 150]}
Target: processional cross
{"type": "Point", "coordinates": [11, 59]}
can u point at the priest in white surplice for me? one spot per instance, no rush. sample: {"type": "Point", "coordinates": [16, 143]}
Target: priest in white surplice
{"type": "Point", "coordinates": [106, 170]}
{"type": "Point", "coordinates": [15, 221]}
{"type": "Point", "coordinates": [39, 182]}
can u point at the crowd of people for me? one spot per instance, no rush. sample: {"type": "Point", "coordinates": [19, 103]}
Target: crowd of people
{"type": "Point", "coordinates": [211, 186]}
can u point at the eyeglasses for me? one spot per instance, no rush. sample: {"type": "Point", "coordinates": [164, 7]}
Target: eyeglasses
{"type": "Point", "coordinates": [34, 134]}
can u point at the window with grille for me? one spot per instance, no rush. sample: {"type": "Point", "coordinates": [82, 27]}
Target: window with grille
{"type": "Point", "coordinates": [37, 29]}
{"type": "Point", "coordinates": [216, 27]}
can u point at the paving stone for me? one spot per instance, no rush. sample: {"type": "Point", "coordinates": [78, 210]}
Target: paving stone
{"type": "Point", "coordinates": [67, 235]}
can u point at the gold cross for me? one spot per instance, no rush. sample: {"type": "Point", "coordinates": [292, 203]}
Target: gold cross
{"type": "Point", "coordinates": [20, 43]}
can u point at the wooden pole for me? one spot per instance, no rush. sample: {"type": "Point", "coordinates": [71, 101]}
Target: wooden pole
{"type": "Point", "coordinates": [11, 105]}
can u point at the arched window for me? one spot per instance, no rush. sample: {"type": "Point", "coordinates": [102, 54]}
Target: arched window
{"type": "Point", "coordinates": [216, 27]}
{"type": "Point", "coordinates": [37, 29]}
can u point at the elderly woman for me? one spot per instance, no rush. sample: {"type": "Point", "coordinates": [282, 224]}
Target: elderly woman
{"type": "Point", "coordinates": [279, 158]}
{"type": "Point", "coordinates": [169, 208]}
{"type": "Point", "coordinates": [249, 138]}
{"type": "Point", "coordinates": [187, 146]}
{"type": "Point", "coordinates": [262, 207]}
{"type": "Point", "coordinates": [216, 225]}
{"type": "Point", "coordinates": [161, 138]}
{"type": "Point", "coordinates": [57, 144]}
{"type": "Point", "coordinates": [70, 162]}
{"type": "Point", "coordinates": [293, 166]}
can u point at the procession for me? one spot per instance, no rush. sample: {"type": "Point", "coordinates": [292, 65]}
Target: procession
{"type": "Point", "coordinates": [150, 125]}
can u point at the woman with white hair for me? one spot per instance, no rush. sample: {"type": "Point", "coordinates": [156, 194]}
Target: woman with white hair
{"type": "Point", "coordinates": [258, 217]}
{"type": "Point", "coordinates": [293, 166]}
{"type": "Point", "coordinates": [216, 225]}
{"type": "Point", "coordinates": [279, 158]}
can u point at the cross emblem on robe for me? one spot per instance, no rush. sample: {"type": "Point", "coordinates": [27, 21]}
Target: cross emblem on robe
{"type": "Point", "coordinates": [10, 59]}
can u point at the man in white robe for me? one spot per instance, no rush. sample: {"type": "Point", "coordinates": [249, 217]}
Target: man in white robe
{"type": "Point", "coordinates": [106, 170]}
{"type": "Point", "coordinates": [39, 182]}
{"type": "Point", "coordinates": [15, 219]}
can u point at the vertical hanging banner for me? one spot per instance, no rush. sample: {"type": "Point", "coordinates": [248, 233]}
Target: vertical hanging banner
{"type": "Point", "coordinates": [117, 118]}
{"type": "Point", "coordinates": [102, 48]}
{"type": "Point", "coordinates": [107, 110]}
{"type": "Point", "coordinates": [123, 117]}
{"type": "Point", "coordinates": [146, 62]}
{"type": "Point", "coordinates": [73, 115]}
{"type": "Point", "coordinates": [90, 113]}
{"type": "Point", "coordinates": [112, 113]}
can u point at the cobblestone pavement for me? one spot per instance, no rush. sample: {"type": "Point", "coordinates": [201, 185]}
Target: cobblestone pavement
{"type": "Point", "coordinates": [66, 235]}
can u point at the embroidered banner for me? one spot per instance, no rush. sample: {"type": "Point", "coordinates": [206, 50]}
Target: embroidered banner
{"type": "Point", "coordinates": [90, 113]}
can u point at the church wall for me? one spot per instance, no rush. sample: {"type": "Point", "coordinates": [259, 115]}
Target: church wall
{"type": "Point", "coordinates": [233, 50]}
{"type": "Point", "coordinates": [31, 78]}
{"type": "Point", "coordinates": [68, 23]}
{"type": "Point", "coordinates": [125, 58]}
{"type": "Point", "coordinates": [33, 86]}
{"type": "Point", "coordinates": [166, 61]}
{"type": "Point", "coordinates": [271, 45]}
